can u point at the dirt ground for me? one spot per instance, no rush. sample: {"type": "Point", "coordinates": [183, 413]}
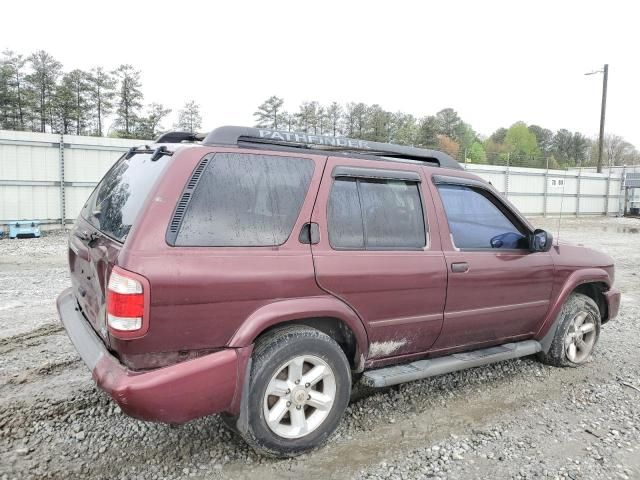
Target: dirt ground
{"type": "Point", "coordinates": [517, 419]}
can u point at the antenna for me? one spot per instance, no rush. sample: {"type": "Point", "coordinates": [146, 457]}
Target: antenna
{"type": "Point", "coordinates": [564, 183]}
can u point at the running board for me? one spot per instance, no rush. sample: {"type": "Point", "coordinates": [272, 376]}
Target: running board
{"type": "Point", "coordinates": [385, 377]}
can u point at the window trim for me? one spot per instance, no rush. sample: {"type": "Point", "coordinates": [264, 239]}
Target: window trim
{"type": "Point", "coordinates": [375, 173]}
{"type": "Point", "coordinates": [482, 189]}
{"type": "Point", "coordinates": [358, 180]}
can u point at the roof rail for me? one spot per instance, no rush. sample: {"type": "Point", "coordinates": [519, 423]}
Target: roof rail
{"type": "Point", "coordinates": [231, 135]}
{"type": "Point", "coordinates": [178, 137]}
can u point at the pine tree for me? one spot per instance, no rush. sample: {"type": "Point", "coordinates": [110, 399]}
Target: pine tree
{"type": "Point", "coordinates": [42, 81]}
{"type": "Point", "coordinates": [150, 126]}
{"type": "Point", "coordinates": [268, 114]}
{"type": "Point", "coordinates": [101, 93]}
{"type": "Point", "coordinates": [189, 118]}
{"type": "Point", "coordinates": [129, 100]}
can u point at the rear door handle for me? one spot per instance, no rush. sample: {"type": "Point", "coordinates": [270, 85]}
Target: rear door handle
{"type": "Point", "coordinates": [460, 267]}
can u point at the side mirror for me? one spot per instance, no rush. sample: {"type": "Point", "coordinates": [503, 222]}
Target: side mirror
{"type": "Point", "coordinates": [541, 241]}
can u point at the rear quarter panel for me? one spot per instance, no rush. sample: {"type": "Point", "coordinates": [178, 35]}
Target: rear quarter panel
{"type": "Point", "coordinates": [200, 296]}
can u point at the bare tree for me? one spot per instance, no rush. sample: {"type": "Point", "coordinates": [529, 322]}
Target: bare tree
{"type": "Point", "coordinates": [616, 149]}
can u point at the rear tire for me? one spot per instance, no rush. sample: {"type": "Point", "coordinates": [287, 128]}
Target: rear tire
{"type": "Point", "coordinates": [576, 335]}
{"type": "Point", "coordinates": [299, 389]}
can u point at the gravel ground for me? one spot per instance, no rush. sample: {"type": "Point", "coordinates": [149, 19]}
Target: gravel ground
{"type": "Point", "coordinates": [517, 419]}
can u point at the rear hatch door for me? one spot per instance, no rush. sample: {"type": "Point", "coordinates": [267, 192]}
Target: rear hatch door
{"type": "Point", "coordinates": [103, 225]}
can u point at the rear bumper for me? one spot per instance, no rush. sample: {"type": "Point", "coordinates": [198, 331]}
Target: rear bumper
{"type": "Point", "coordinates": [172, 394]}
{"type": "Point", "coordinates": [613, 302]}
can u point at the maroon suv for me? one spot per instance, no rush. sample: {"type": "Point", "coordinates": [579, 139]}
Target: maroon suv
{"type": "Point", "coordinates": [259, 273]}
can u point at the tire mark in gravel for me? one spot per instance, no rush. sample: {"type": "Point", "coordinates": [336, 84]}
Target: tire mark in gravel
{"type": "Point", "coordinates": [11, 343]}
{"type": "Point", "coordinates": [49, 368]}
{"type": "Point", "coordinates": [459, 416]}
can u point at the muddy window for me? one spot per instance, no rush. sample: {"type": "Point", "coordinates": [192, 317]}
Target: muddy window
{"type": "Point", "coordinates": [375, 215]}
{"type": "Point", "coordinates": [344, 217]}
{"type": "Point", "coordinates": [246, 200]}
{"type": "Point", "coordinates": [117, 200]}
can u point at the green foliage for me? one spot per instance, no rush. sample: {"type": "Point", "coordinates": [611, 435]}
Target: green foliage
{"type": "Point", "coordinates": [570, 148]}
{"type": "Point", "coordinates": [428, 132]}
{"type": "Point", "coordinates": [544, 137]}
{"type": "Point", "coordinates": [404, 129]}
{"type": "Point", "coordinates": [476, 153]}
{"type": "Point", "coordinates": [498, 136]}
{"type": "Point", "coordinates": [520, 140]}
{"type": "Point", "coordinates": [448, 122]}
{"type": "Point", "coordinates": [64, 105]}
{"type": "Point", "coordinates": [465, 135]}
{"type": "Point", "coordinates": [521, 144]}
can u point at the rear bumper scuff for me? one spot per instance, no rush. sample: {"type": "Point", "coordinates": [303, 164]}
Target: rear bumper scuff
{"type": "Point", "coordinates": [172, 394]}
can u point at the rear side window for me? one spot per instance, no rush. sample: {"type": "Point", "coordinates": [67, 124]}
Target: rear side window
{"type": "Point", "coordinates": [117, 200]}
{"type": "Point", "coordinates": [367, 214]}
{"type": "Point", "coordinates": [476, 222]}
{"type": "Point", "coordinates": [246, 200]}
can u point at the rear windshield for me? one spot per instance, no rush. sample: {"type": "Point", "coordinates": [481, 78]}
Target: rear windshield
{"type": "Point", "coordinates": [115, 203]}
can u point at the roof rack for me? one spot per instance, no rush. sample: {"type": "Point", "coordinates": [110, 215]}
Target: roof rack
{"type": "Point", "coordinates": [179, 137]}
{"type": "Point", "coordinates": [231, 135]}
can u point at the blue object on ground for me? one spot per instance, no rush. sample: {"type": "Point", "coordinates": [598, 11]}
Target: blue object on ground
{"type": "Point", "coordinates": [24, 228]}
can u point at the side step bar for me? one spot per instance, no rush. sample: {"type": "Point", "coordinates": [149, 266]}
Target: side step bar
{"type": "Point", "coordinates": [385, 377]}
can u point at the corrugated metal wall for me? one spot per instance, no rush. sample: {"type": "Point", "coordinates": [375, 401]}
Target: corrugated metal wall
{"type": "Point", "coordinates": [32, 166]}
{"type": "Point", "coordinates": [537, 191]}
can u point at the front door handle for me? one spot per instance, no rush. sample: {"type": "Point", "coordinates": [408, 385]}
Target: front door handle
{"type": "Point", "coordinates": [460, 267]}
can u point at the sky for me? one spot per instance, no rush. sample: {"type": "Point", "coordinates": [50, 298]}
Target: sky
{"type": "Point", "coordinates": [495, 62]}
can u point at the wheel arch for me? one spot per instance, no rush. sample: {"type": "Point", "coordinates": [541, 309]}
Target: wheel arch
{"type": "Point", "coordinates": [326, 314]}
{"type": "Point", "coordinates": [595, 291]}
{"type": "Point", "coordinates": [591, 282]}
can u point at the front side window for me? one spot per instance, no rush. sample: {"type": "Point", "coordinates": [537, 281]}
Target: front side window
{"type": "Point", "coordinates": [246, 200]}
{"type": "Point", "coordinates": [367, 214]}
{"type": "Point", "coordinates": [477, 222]}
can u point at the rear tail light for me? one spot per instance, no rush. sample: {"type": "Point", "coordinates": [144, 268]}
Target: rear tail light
{"type": "Point", "coordinates": [125, 302]}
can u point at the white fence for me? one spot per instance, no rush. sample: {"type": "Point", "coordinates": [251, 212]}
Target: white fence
{"type": "Point", "coordinates": [48, 177]}
{"type": "Point", "coordinates": [541, 192]}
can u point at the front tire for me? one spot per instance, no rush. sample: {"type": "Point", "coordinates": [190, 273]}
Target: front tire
{"type": "Point", "coordinates": [300, 387]}
{"type": "Point", "coordinates": [576, 335]}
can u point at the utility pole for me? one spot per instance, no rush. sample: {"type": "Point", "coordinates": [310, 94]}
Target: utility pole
{"type": "Point", "coordinates": [602, 114]}
{"type": "Point", "coordinates": [603, 110]}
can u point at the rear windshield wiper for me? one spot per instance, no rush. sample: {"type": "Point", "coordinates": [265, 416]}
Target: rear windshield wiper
{"type": "Point", "coordinates": [155, 153]}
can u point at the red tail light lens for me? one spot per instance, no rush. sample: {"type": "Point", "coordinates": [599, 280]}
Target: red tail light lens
{"type": "Point", "coordinates": [125, 302]}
